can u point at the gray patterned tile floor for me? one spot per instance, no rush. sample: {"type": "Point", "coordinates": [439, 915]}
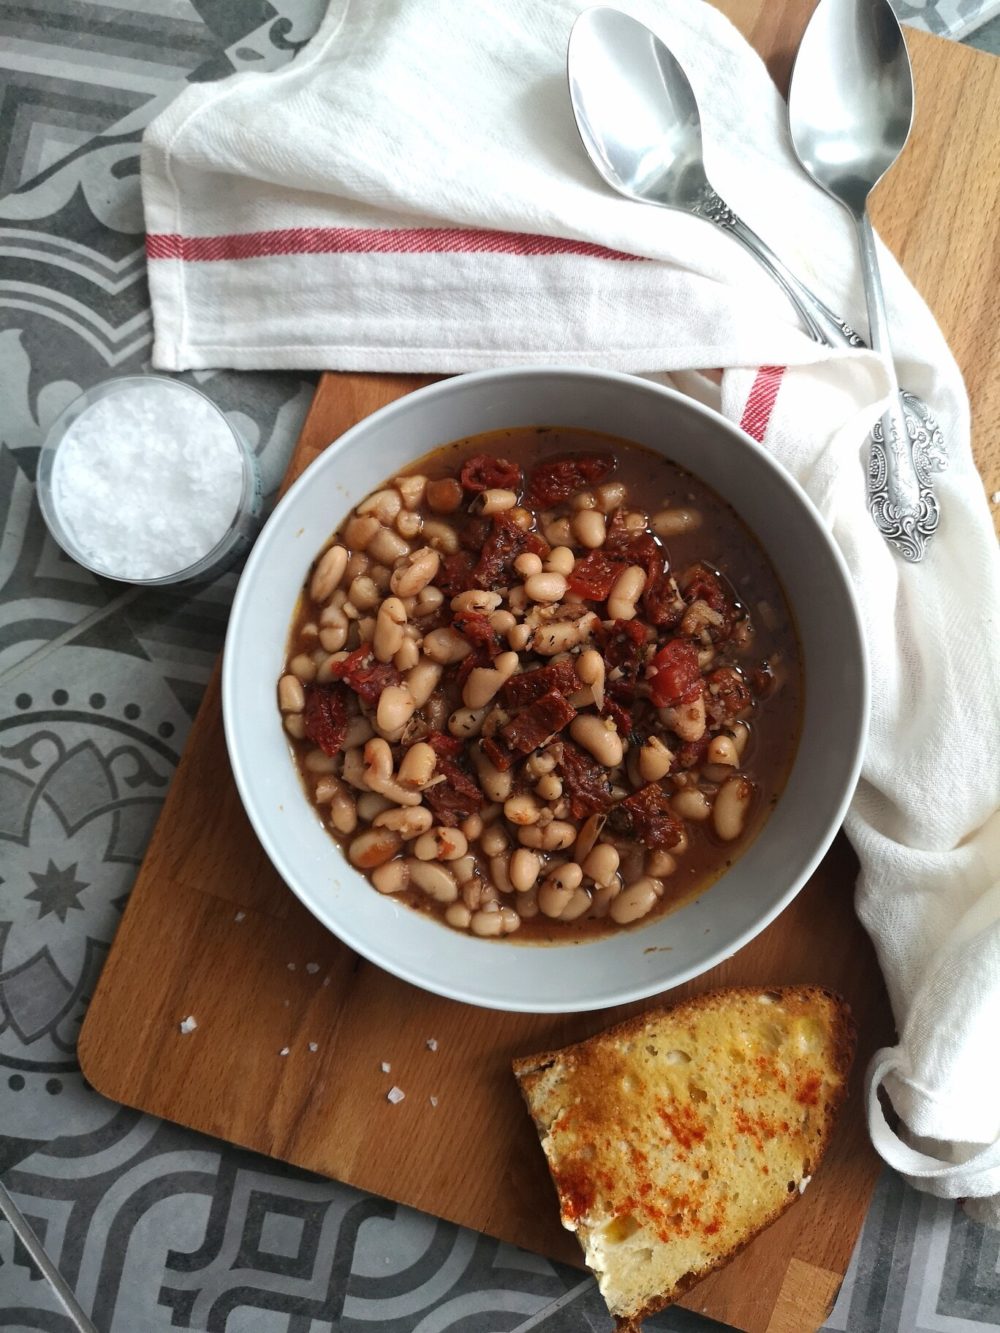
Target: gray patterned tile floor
{"type": "Point", "coordinates": [154, 1227]}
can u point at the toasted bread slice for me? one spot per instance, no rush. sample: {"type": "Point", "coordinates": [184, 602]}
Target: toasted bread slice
{"type": "Point", "coordinates": [677, 1136]}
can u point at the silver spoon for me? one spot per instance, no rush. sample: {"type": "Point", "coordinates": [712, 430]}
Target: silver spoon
{"type": "Point", "coordinates": [639, 122]}
{"type": "Point", "coordinates": [850, 108]}
{"type": "Point", "coordinates": [638, 118]}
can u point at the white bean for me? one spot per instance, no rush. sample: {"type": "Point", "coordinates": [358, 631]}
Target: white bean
{"type": "Point", "coordinates": [561, 636]}
{"type": "Point", "coordinates": [660, 864]}
{"type": "Point", "coordinates": [486, 924]}
{"type": "Point", "coordinates": [291, 695]}
{"type": "Point", "coordinates": [560, 560]}
{"type": "Point", "coordinates": [422, 680]}
{"type": "Point", "coordinates": [328, 573]}
{"type": "Point", "coordinates": [548, 587]}
{"type": "Point", "coordinates": [387, 546]}
{"type": "Point", "coordinates": [390, 625]}
{"type": "Point", "coordinates": [442, 536]}
{"type": "Point", "coordinates": [673, 522]}
{"type": "Point", "coordinates": [722, 750]}
{"type": "Point", "coordinates": [494, 781]}
{"type": "Point", "coordinates": [567, 876]}
{"type": "Point", "coordinates": [602, 864]}
{"type": "Point", "coordinates": [524, 869]}
{"type": "Point", "coordinates": [555, 836]}
{"type": "Point", "coordinates": [636, 901]}
{"type": "Point", "coordinates": [611, 495]}
{"type": "Point", "coordinates": [441, 844]}
{"type": "Point", "coordinates": [373, 847]}
{"type": "Point", "coordinates": [527, 564]}
{"type": "Point", "coordinates": [343, 813]}
{"type": "Point", "coordinates": [599, 736]}
{"type": "Point", "coordinates": [446, 645]}
{"type": "Point", "coordinates": [690, 804]}
{"type": "Point", "coordinates": [417, 766]}
{"type": "Point", "coordinates": [467, 722]}
{"type": "Point", "coordinates": [408, 524]}
{"type": "Point", "coordinates": [589, 528]}
{"type": "Point", "coordinates": [437, 882]}
{"type": "Point", "coordinates": [476, 599]}
{"type": "Point", "coordinates": [359, 531]}
{"type": "Point", "coordinates": [732, 805]}
{"type": "Point", "coordinates": [625, 593]}
{"type": "Point", "coordinates": [396, 705]}
{"type": "Point", "coordinates": [385, 505]}
{"type": "Point", "coordinates": [655, 760]}
{"type": "Point", "coordinates": [412, 489]}
{"type": "Point", "coordinates": [416, 572]}
{"type": "Point", "coordinates": [579, 902]}
{"type": "Point", "coordinates": [391, 877]}
{"type": "Point", "coordinates": [522, 809]}
{"type": "Point", "coordinates": [371, 804]}
{"type": "Point", "coordinates": [458, 915]}
{"type": "Point", "coordinates": [407, 655]}
{"type": "Point", "coordinates": [303, 667]}
{"type": "Point", "coordinates": [484, 682]}
{"type": "Point", "coordinates": [363, 593]}
{"type": "Point", "coordinates": [408, 821]}
{"type": "Point", "coordinates": [687, 719]}
{"type": "Point", "coordinates": [295, 726]}
{"type": "Point", "coordinates": [495, 501]}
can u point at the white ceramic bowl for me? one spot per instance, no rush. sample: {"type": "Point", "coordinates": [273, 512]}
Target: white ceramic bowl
{"type": "Point", "coordinates": [622, 966]}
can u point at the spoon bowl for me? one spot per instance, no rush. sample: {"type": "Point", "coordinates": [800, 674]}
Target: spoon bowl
{"type": "Point", "coordinates": [635, 110]}
{"type": "Point", "coordinates": [851, 107]}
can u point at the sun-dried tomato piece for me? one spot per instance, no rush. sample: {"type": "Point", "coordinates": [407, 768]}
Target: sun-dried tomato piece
{"type": "Point", "coordinates": [504, 544]}
{"type": "Point", "coordinates": [729, 691]}
{"type": "Point", "coordinates": [443, 745]}
{"type": "Point", "coordinates": [619, 715]}
{"type": "Point", "coordinates": [531, 685]}
{"type": "Point", "coordinates": [585, 782]}
{"type": "Point", "coordinates": [647, 817]}
{"type": "Point", "coordinates": [662, 604]}
{"type": "Point", "coordinates": [498, 752]}
{"type": "Point", "coordinates": [706, 585]}
{"type": "Point", "coordinates": [676, 675]}
{"type": "Point", "coordinates": [456, 574]}
{"type": "Point", "coordinates": [476, 627]}
{"type": "Point", "coordinates": [557, 479]}
{"type": "Point", "coordinates": [479, 657]}
{"type": "Point", "coordinates": [366, 677]}
{"type": "Point", "coordinates": [325, 717]}
{"type": "Point", "coordinates": [456, 797]}
{"type": "Point", "coordinates": [595, 575]}
{"type": "Point", "coordinates": [474, 533]}
{"type": "Point", "coordinates": [624, 645]}
{"type": "Point", "coordinates": [692, 754]}
{"type": "Point", "coordinates": [484, 473]}
{"type": "Point", "coordinates": [537, 723]}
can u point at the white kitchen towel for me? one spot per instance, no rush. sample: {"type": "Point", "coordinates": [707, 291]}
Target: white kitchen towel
{"type": "Point", "coordinates": [411, 194]}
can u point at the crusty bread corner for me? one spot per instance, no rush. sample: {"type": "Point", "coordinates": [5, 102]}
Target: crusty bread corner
{"type": "Point", "coordinates": [677, 1136]}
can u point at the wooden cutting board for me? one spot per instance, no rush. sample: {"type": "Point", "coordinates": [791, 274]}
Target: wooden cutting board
{"type": "Point", "coordinates": [211, 930]}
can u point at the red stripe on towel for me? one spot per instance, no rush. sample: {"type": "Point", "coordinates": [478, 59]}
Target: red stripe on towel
{"type": "Point", "coordinates": [366, 240]}
{"type": "Point", "coordinates": [760, 403]}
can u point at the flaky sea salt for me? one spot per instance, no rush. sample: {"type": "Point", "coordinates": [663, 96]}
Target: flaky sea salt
{"type": "Point", "coordinates": [386, 1066]}
{"type": "Point", "coordinates": [314, 1047]}
{"type": "Point", "coordinates": [147, 480]}
{"type": "Point", "coordinates": [431, 1043]}
{"type": "Point", "coordinates": [312, 968]}
{"type": "Point", "coordinates": [188, 1024]}
{"type": "Point", "coordinates": [395, 1095]}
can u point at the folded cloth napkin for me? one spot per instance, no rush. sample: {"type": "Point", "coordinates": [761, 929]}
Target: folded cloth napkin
{"type": "Point", "coordinates": [410, 194]}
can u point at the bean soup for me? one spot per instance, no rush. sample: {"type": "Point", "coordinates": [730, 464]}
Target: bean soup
{"type": "Point", "coordinates": [543, 685]}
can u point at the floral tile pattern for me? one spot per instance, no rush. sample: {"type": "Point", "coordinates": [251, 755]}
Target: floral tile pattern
{"type": "Point", "coordinates": [156, 1228]}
